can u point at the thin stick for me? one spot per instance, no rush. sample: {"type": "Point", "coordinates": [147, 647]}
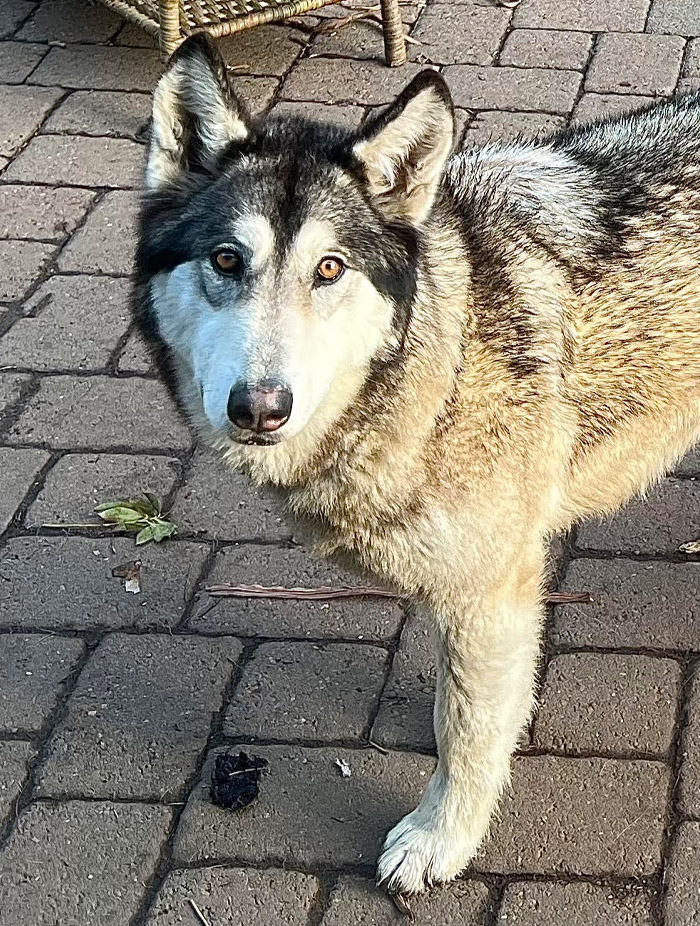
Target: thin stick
{"type": "Point", "coordinates": [198, 913]}
{"type": "Point", "coordinates": [326, 593]}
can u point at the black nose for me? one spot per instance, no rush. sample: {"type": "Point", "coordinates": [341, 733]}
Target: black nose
{"type": "Point", "coordinates": [263, 407]}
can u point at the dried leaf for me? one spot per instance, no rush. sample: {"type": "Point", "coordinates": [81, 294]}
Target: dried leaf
{"type": "Point", "coordinates": [693, 546]}
{"type": "Point", "coordinates": [131, 573]}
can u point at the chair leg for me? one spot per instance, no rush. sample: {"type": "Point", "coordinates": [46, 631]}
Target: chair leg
{"type": "Point", "coordinates": [169, 33]}
{"type": "Point", "coordinates": [394, 41]}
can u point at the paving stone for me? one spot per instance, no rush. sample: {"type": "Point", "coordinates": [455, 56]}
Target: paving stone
{"type": "Point", "coordinates": [442, 30]}
{"type": "Point", "coordinates": [690, 770]}
{"type": "Point", "coordinates": [22, 110]}
{"type": "Point", "coordinates": [363, 82]}
{"type": "Point", "coordinates": [405, 717]}
{"type": "Point", "coordinates": [80, 862]}
{"type": "Point", "coordinates": [360, 618]}
{"type": "Point", "coordinates": [682, 904]}
{"type": "Point", "coordinates": [101, 112]}
{"type": "Point", "coordinates": [284, 827]}
{"type": "Point", "coordinates": [536, 89]}
{"type": "Point", "coordinates": [690, 464]}
{"type": "Point", "coordinates": [255, 92]}
{"type": "Point", "coordinates": [139, 717]}
{"type": "Point", "coordinates": [580, 817]}
{"type": "Point", "coordinates": [347, 116]}
{"type": "Point", "coordinates": [131, 34]}
{"type": "Point", "coordinates": [576, 905]}
{"type": "Point", "coordinates": [409, 11]}
{"type": "Point", "coordinates": [266, 50]}
{"type": "Point", "coordinates": [66, 583]}
{"type": "Point", "coordinates": [41, 212]}
{"type": "Point", "coordinates": [640, 64]}
{"type": "Point", "coordinates": [12, 12]}
{"type": "Point", "coordinates": [107, 241]}
{"type": "Point", "coordinates": [354, 900]}
{"type": "Point", "coordinates": [536, 48]}
{"type": "Point", "coordinates": [18, 60]}
{"type": "Point", "coordinates": [79, 322]}
{"type": "Point", "coordinates": [608, 703]}
{"type": "Point", "coordinates": [74, 412]}
{"type": "Point", "coordinates": [219, 502]}
{"type": "Point", "coordinates": [20, 263]}
{"type": "Point", "coordinates": [70, 21]}
{"type": "Point", "coordinates": [688, 85]}
{"type": "Point", "coordinates": [677, 17]}
{"type": "Point", "coordinates": [135, 357]}
{"type": "Point", "coordinates": [14, 765]}
{"type": "Point", "coordinates": [19, 470]}
{"type": "Point", "coordinates": [99, 67]}
{"type": "Point", "coordinates": [34, 668]}
{"type": "Point", "coordinates": [360, 39]}
{"type": "Point", "coordinates": [583, 15]}
{"type": "Point", "coordinates": [80, 481]}
{"type": "Point", "coordinates": [691, 64]}
{"type": "Point", "coordinates": [235, 895]}
{"type": "Point", "coordinates": [307, 692]}
{"type": "Point", "coordinates": [594, 106]}
{"type": "Point", "coordinates": [659, 523]}
{"type": "Point", "coordinates": [81, 161]}
{"type": "Point", "coordinates": [11, 386]}
{"type": "Point", "coordinates": [505, 126]}
{"type": "Point", "coordinates": [641, 605]}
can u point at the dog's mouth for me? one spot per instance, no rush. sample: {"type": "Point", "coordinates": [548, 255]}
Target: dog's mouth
{"type": "Point", "coordinates": [255, 440]}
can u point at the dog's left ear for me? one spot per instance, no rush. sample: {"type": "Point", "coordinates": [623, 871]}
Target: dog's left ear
{"type": "Point", "coordinates": [195, 113]}
{"type": "Point", "coordinates": [403, 153]}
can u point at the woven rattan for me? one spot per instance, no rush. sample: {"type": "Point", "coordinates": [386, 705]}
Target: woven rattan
{"type": "Point", "coordinates": [172, 21]}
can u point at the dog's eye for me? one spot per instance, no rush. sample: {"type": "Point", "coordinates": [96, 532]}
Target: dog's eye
{"type": "Point", "coordinates": [226, 261]}
{"type": "Point", "coordinates": [329, 270]}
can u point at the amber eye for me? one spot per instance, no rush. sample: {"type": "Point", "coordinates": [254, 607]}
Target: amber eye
{"type": "Point", "coordinates": [226, 261]}
{"type": "Point", "coordinates": [329, 270]}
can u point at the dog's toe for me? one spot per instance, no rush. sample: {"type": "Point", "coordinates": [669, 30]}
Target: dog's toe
{"type": "Point", "coordinates": [415, 857]}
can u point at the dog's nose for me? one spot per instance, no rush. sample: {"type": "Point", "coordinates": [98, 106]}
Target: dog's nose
{"type": "Point", "coordinates": [263, 407]}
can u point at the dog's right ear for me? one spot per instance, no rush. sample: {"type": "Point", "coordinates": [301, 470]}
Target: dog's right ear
{"type": "Point", "coordinates": [195, 113]}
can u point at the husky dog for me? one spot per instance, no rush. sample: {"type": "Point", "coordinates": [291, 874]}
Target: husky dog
{"type": "Point", "coordinates": [439, 360]}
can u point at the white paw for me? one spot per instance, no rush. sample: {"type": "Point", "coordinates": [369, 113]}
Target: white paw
{"type": "Point", "coordinates": [419, 852]}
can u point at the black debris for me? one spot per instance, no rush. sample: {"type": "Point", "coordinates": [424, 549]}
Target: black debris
{"type": "Point", "coordinates": [235, 780]}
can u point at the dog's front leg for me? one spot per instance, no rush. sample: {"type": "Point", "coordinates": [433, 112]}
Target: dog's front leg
{"type": "Point", "coordinates": [487, 654]}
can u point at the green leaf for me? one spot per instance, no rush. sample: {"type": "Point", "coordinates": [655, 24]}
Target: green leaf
{"type": "Point", "coordinates": [163, 529]}
{"type": "Point", "coordinates": [154, 502]}
{"type": "Point", "coordinates": [120, 514]}
{"type": "Point", "coordinates": [145, 535]}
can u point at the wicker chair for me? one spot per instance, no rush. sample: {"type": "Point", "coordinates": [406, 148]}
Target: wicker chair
{"type": "Point", "coordinates": [173, 20]}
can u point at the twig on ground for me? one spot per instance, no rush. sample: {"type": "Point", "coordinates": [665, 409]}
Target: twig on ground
{"type": "Point", "coordinates": [198, 913]}
{"type": "Point", "coordinates": [326, 593]}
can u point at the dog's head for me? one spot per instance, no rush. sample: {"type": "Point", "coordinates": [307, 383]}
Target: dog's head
{"type": "Point", "coordinates": [278, 256]}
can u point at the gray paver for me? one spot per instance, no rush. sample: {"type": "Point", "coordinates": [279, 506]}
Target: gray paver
{"type": "Point", "coordinates": [14, 765]}
{"type": "Point", "coordinates": [18, 60]}
{"type": "Point", "coordinates": [267, 50]}
{"type": "Point", "coordinates": [80, 862]}
{"type": "Point", "coordinates": [64, 583]}
{"type": "Point", "coordinates": [361, 618]}
{"type": "Point", "coordinates": [659, 523]}
{"type": "Point", "coordinates": [20, 263]}
{"type": "Point", "coordinates": [354, 900]}
{"type": "Point", "coordinates": [256, 93]}
{"type": "Point", "coordinates": [366, 82]}
{"type": "Point", "coordinates": [601, 105]}
{"type": "Point", "coordinates": [608, 703]}
{"type": "Point", "coordinates": [307, 692]}
{"type": "Point", "coordinates": [554, 48]}
{"type": "Point", "coordinates": [97, 67]}
{"type": "Point", "coordinates": [217, 501]}
{"type": "Point", "coordinates": [135, 357]}
{"type": "Point", "coordinates": [139, 717]}
{"type": "Point", "coordinates": [79, 321]}
{"type": "Point", "coordinates": [285, 827]}
{"type": "Point", "coordinates": [70, 21]}
{"type": "Point", "coordinates": [356, 39]}
{"type": "Point", "coordinates": [81, 481]}
{"type": "Point", "coordinates": [101, 412]}
{"type": "Point", "coordinates": [348, 116]}
{"type": "Point", "coordinates": [576, 905]}
{"type": "Point", "coordinates": [682, 902]}
{"type": "Point", "coordinates": [22, 110]}
{"type": "Point", "coordinates": [41, 212]}
{"type": "Point", "coordinates": [690, 464]}
{"type": "Point", "coordinates": [689, 795]}
{"type": "Point", "coordinates": [19, 469]}
{"type": "Point", "coordinates": [107, 241]}
{"type": "Point", "coordinates": [640, 64]}
{"type": "Point", "coordinates": [235, 895]}
{"type": "Point", "coordinates": [634, 605]}
{"type": "Point", "coordinates": [101, 112]}
{"type": "Point", "coordinates": [442, 29]}
{"type": "Point", "coordinates": [535, 89]}
{"type": "Point", "coordinates": [405, 717]}
{"type": "Point", "coordinates": [34, 668]}
{"type": "Point", "coordinates": [580, 816]}
{"type": "Point", "coordinates": [583, 15]}
{"type": "Point", "coordinates": [12, 13]}
{"type": "Point", "coordinates": [677, 17]}
{"type": "Point", "coordinates": [499, 126]}
{"type": "Point", "coordinates": [11, 386]}
{"type": "Point", "coordinates": [80, 161]}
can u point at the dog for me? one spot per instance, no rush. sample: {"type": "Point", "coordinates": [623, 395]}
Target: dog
{"type": "Point", "coordinates": [440, 360]}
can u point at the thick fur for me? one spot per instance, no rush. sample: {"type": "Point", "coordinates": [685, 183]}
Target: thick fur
{"type": "Point", "coordinates": [530, 356]}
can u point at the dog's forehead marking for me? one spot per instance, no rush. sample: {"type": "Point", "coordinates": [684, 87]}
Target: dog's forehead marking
{"type": "Point", "coordinates": [315, 238]}
{"type": "Point", "coordinates": [256, 233]}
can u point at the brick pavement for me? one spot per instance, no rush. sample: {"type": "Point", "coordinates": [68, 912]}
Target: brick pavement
{"type": "Point", "coordinates": [113, 706]}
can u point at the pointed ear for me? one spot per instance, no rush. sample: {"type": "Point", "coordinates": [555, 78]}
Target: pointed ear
{"type": "Point", "coordinates": [403, 153]}
{"type": "Point", "coordinates": [195, 113]}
